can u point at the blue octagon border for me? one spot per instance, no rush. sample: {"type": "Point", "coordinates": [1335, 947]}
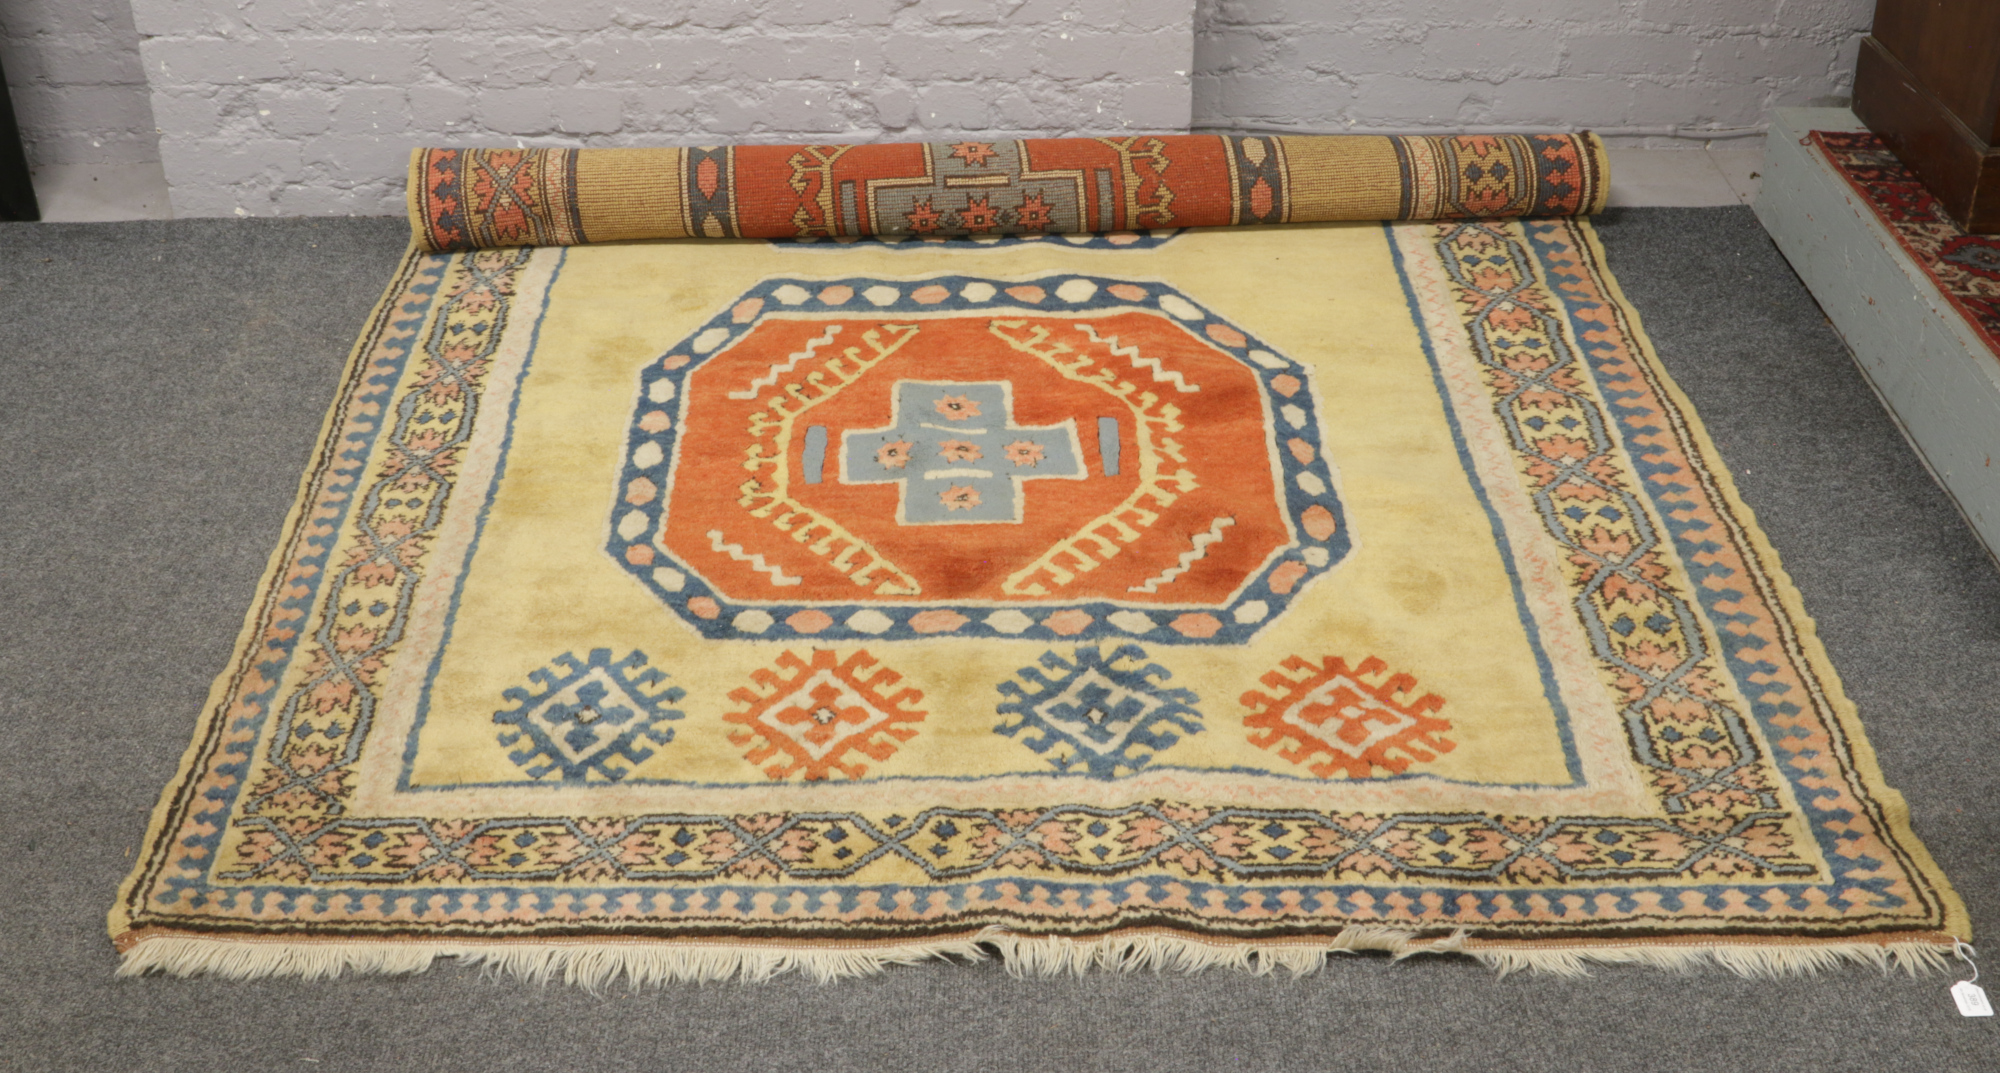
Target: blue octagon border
{"type": "Point", "coordinates": [771, 626]}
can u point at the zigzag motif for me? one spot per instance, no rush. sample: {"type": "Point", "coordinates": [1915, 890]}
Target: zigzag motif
{"type": "Point", "coordinates": [791, 363]}
{"type": "Point", "coordinates": [757, 563]}
{"type": "Point", "coordinates": [1104, 536]}
{"type": "Point", "coordinates": [1188, 557]}
{"type": "Point", "coordinates": [1131, 353]}
{"type": "Point", "coordinates": [767, 495]}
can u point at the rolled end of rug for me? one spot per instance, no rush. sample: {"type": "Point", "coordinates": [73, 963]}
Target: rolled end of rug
{"type": "Point", "coordinates": [462, 199]}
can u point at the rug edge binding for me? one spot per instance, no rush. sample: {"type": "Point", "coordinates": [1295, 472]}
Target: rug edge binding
{"type": "Point", "coordinates": [118, 919]}
{"type": "Point", "coordinates": [1867, 765]}
{"type": "Point", "coordinates": [597, 965]}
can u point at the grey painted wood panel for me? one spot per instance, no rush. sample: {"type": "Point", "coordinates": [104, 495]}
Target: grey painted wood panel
{"type": "Point", "coordinates": [1927, 364]}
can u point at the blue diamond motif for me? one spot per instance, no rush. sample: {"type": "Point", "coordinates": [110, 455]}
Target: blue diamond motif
{"type": "Point", "coordinates": [588, 720]}
{"type": "Point", "coordinates": [1099, 716]}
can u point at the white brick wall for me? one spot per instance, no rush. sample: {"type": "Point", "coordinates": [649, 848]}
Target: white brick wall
{"type": "Point", "coordinates": [311, 106]}
{"type": "Point", "coordinates": [73, 72]}
{"type": "Point", "coordinates": [1646, 72]}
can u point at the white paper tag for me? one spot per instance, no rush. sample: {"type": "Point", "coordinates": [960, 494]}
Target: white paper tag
{"type": "Point", "coordinates": [1971, 999]}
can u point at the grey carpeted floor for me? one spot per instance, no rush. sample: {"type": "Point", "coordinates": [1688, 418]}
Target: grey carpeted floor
{"type": "Point", "coordinates": [161, 383]}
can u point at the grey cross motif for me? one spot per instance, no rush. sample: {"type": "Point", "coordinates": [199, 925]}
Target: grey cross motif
{"type": "Point", "coordinates": [957, 455]}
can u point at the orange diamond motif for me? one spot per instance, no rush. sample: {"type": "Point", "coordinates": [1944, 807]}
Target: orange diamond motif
{"type": "Point", "coordinates": [1358, 726]}
{"type": "Point", "coordinates": [821, 716]}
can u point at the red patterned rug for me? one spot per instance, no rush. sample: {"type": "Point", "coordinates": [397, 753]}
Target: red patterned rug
{"type": "Point", "coordinates": [1965, 267]}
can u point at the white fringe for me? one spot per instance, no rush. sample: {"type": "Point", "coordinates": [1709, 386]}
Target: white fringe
{"type": "Point", "coordinates": [1756, 961]}
{"type": "Point", "coordinates": [590, 965]}
{"type": "Point", "coordinates": [1025, 955]}
{"type": "Point", "coordinates": [596, 965]}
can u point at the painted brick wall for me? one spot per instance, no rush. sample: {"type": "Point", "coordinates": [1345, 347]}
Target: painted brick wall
{"type": "Point", "coordinates": [307, 106]}
{"type": "Point", "coordinates": [311, 106]}
{"type": "Point", "coordinates": [73, 72]}
{"type": "Point", "coordinates": [1644, 71]}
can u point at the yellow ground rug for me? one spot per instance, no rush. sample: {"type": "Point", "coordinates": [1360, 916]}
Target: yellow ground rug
{"type": "Point", "coordinates": [1232, 596]}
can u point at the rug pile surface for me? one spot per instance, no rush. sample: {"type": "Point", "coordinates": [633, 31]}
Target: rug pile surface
{"type": "Point", "coordinates": [1180, 597]}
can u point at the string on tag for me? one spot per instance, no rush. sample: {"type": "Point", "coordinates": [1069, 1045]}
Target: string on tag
{"type": "Point", "coordinates": [1971, 998]}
